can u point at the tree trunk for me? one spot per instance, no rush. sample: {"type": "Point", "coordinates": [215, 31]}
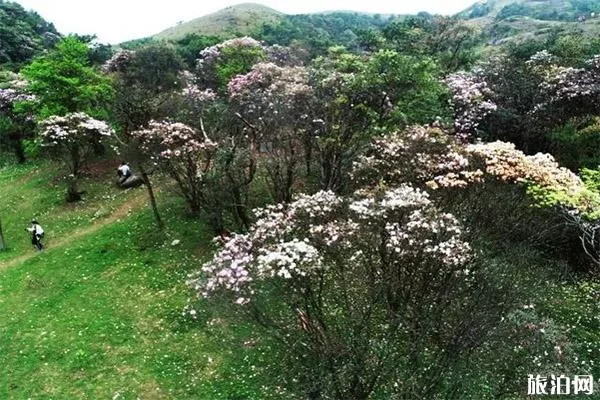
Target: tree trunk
{"type": "Point", "coordinates": [152, 198]}
{"type": "Point", "coordinates": [2, 242]}
{"type": "Point", "coordinates": [20, 152]}
{"type": "Point", "coordinates": [73, 194]}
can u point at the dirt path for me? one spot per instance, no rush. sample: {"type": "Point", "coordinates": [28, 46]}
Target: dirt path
{"type": "Point", "coordinates": [121, 212]}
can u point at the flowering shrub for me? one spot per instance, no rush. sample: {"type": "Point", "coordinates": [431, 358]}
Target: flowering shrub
{"type": "Point", "coordinates": [9, 97]}
{"type": "Point", "coordinates": [274, 103]}
{"type": "Point", "coordinates": [429, 156]}
{"type": "Point", "coordinates": [472, 101]}
{"type": "Point", "coordinates": [119, 61]}
{"type": "Point", "coordinates": [217, 64]}
{"type": "Point", "coordinates": [185, 154]}
{"type": "Point", "coordinates": [72, 139]}
{"type": "Point", "coordinates": [343, 278]}
{"type": "Point", "coordinates": [415, 155]}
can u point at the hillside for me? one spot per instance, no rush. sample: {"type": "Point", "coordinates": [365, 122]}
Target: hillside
{"type": "Point", "coordinates": [23, 34]}
{"type": "Point", "coordinates": [97, 315]}
{"type": "Point", "coordinates": [240, 19]}
{"type": "Point", "coordinates": [546, 10]}
{"type": "Point", "coordinates": [505, 21]}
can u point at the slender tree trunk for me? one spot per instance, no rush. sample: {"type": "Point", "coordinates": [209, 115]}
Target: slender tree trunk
{"type": "Point", "coordinates": [152, 198]}
{"type": "Point", "coordinates": [73, 194]}
{"type": "Point", "coordinates": [2, 242]}
{"type": "Point", "coordinates": [19, 152]}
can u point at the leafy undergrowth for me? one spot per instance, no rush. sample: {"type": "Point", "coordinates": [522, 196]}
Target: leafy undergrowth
{"type": "Point", "coordinates": [99, 315]}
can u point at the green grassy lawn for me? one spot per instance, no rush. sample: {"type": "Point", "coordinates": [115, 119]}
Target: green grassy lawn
{"type": "Point", "coordinates": [99, 314]}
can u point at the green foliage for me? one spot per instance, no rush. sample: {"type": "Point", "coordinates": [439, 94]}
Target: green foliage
{"type": "Point", "coordinates": [235, 61]}
{"type": "Point", "coordinates": [23, 34]}
{"type": "Point", "coordinates": [449, 40]}
{"type": "Point", "coordinates": [144, 86]}
{"type": "Point", "coordinates": [63, 81]}
{"type": "Point", "coordinates": [317, 32]}
{"type": "Point", "coordinates": [234, 21]}
{"type": "Point", "coordinates": [98, 314]}
{"type": "Point", "coordinates": [576, 147]}
{"type": "Point", "coordinates": [190, 46]}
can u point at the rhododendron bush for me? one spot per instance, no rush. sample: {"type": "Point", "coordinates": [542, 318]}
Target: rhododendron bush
{"type": "Point", "coordinates": [275, 103]}
{"type": "Point", "coordinates": [348, 271]}
{"type": "Point", "coordinates": [431, 157]}
{"type": "Point", "coordinates": [16, 123]}
{"type": "Point", "coordinates": [72, 139]}
{"type": "Point", "coordinates": [186, 155]}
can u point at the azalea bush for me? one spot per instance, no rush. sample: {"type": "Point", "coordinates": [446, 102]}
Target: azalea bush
{"type": "Point", "coordinates": [185, 155]}
{"type": "Point", "coordinates": [344, 281]}
{"type": "Point", "coordinates": [16, 124]}
{"type": "Point", "coordinates": [275, 102]}
{"type": "Point", "coordinates": [381, 291]}
{"type": "Point", "coordinates": [72, 139]}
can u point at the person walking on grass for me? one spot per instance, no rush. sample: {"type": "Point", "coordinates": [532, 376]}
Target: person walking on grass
{"type": "Point", "coordinates": [37, 233]}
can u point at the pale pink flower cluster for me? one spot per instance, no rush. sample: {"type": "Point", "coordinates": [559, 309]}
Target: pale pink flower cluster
{"type": "Point", "coordinates": [436, 236]}
{"type": "Point", "coordinates": [472, 101]}
{"type": "Point", "coordinates": [268, 88]}
{"type": "Point", "coordinates": [170, 140]}
{"type": "Point", "coordinates": [72, 128]}
{"type": "Point", "coordinates": [198, 96]}
{"type": "Point", "coordinates": [314, 233]}
{"type": "Point", "coordinates": [118, 62]}
{"type": "Point", "coordinates": [417, 154]}
{"type": "Point", "coordinates": [8, 98]}
{"type": "Point", "coordinates": [504, 162]}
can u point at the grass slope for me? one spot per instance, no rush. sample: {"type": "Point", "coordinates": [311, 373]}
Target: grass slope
{"type": "Point", "coordinates": [98, 315]}
{"type": "Point", "coordinates": [241, 19]}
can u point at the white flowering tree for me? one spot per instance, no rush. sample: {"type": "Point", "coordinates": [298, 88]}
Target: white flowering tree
{"type": "Point", "coordinates": [187, 156]}
{"type": "Point", "coordinates": [472, 101]}
{"type": "Point", "coordinates": [369, 292]}
{"type": "Point", "coordinates": [274, 103]}
{"type": "Point", "coordinates": [71, 139]}
{"type": "Point", "coordinates": [16, 124]}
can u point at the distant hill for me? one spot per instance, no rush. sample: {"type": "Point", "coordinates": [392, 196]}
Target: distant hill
{"type": "Point", "coordinates": [241, 19]}
{"type": "Point", "coordinates": [517, 20]}
{"type": "Point", "coordinates": [23, 34]}
{"type": "Point", "coordinates": [544, 10]}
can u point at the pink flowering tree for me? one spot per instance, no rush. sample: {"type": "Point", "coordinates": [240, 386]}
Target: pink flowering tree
{"type": "Point", "coordinates": [235, 162]}
{"type": "Point", "coordinates": [274, 103]}
{"type": "Point", "coordinates": [472, 101]}
{"type": "Point", "coordinates": [345, 282]}
{"type": "Point", "coordinates": [217, 64]}
{"type": "Point", "coordinates": [501, 192]}
{"type": "Point", "coordinates": [191, 159]}
{"type": "Point", "coordinates": [16, 123]}
{"type": "Point", "coordinates": [71, 139]}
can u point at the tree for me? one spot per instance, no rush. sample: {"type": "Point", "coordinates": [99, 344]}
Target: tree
{"type": "Point", "coordinates": [219, 63]}
{"type": "Point", "coordinates": [72, 140]}
{"type": "Point", "coordinates": [145, 82]}
{"type": "Point", "coordinates": [186, 155]}
{"type": "Point", "coordinates": [379, 294]}
{"type": "Point", "coordinates": [355, 97]}
{"type": "Point", "coordinates": [23, 34]}
{"type": "Point", "coordinates": [16, 124]}
{"type": "Point", "coordinates": [275, 102]}
{"type": "Point", "coordinates": [2, 241]}
{"type": "Point", "coordinates": [63, 81]}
